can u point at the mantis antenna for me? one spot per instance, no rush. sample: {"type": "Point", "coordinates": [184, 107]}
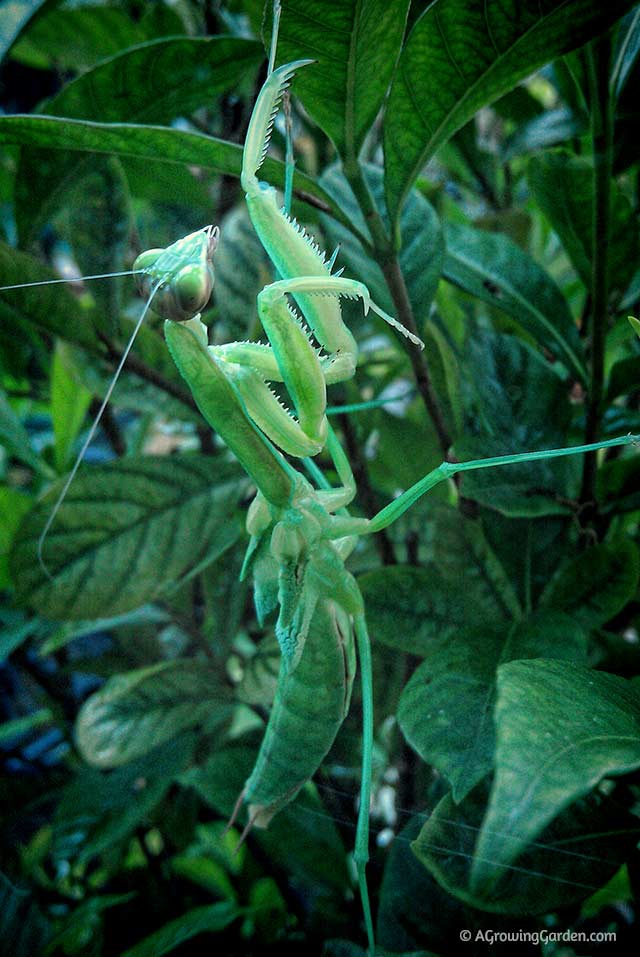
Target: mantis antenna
{"type": "Point", "coordinates": [94, 425]}
{"type": "Point", "coordinates": [53, 282]}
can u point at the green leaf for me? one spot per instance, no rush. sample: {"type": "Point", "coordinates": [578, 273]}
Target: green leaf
{"type": "Point", "coordinates": [14, 631]}
{"type": "Point", "coordinates": [561, 728]}
{"type": "Point", "coordinates": [21, 726]}
{"type": "Point", "coordinates": [69, 403]}
{"type": "Point", "coordinates": [491, 267]}
{"type": "Point", "coordinates": [562, 185]}
{"type": "Point", "coordinates": [137, 711]}
{"type": "Point", "coordinates": [461, 56]}
{"type": "Point", "coordinates": [148, 614]}
{"type": "Point", "coordinates": [75, 39]}
{"type": "Point", "coordinates": [211, 918]}
{"type": "Point", "coordinates": [355, 45]}
{"type": "Point", "coordinates": [15, 17]}
{"type": "Point", "coordinates": [635, 324]}
{"type": "Point", "coordinates": [126, 533]}
{"type": "Point", "coordinates": [446, 709]}
{"type": "Point", "coordinates": [596, 585]}
{"type": "Point", "coordinates": [50, 309]}
{"type": "Point", "coordinates": [516, 401]}
{"type": "Point", "coordinates": [410, 608]}
{"type": "Point", "coordinates": [572, 857]}
{"type": "Point", "coordinates": [158, 143]}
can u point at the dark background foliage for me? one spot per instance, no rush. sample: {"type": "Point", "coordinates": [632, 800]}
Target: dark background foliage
{"type": "Point", "coordinates": [477, 162]}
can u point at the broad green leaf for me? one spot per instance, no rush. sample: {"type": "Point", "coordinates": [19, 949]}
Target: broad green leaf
{"type": "Point", "coordinates": [9, 730]}
{"type": "Point", "coordinates": [561, 728]}
{"type": "Point", "coordinates": [51, 309]}
{"type": "Point", "coordinates": [69, 403]}
{"type": "Point", "coordinates": [155, 82]}
{"type": "Point", "coordinates": [24, 930]}
{"type": "Point", "coordinates": [446, 709]}
{"type": "Point", "coordinates": [515, 402]}
{"type": "Point", "coordinates": [158, 80]}
{"type": "Point", "coordinates": [210, 918]}
{"type": "Point", "coordinates": [355, 45]}
{"type": "Point", "coordinates": [138, 710]}
{"type": "Point", "coordinates": [461, 56]}
{"type": "Point", "coordinates": [422, 250]}
{"type": "Point", "coordinates": [15, 438]}
{"type": "Point", "coordinates": [573, 856]}
{"type": "Point", "coordinates": [152, 142]}
{"type": "Point", "coordinates": [562, 185]}
{"type": "Point", "coordinates": [635, 324]}
{"type": "Point", "coordinates": [75, 39]}
{"type": "Point", "coordinates": [125, 533]}
{"type": "Point", "coordinates": [492, 267]}
{"type": "Point", "coordinates": [15, 16]}
{"type": "Point", "coordinates": [596, 585]}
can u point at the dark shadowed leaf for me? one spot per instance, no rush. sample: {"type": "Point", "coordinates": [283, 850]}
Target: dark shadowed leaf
{"type": "Point", "coordinates": [521, 404]}
{"type": "Point", "coordinates": [492, 267]}
{"type": "Point", "coordinates": [24, 929]}
{"type": "Point", "coordinates": [51, 309]}
{"type": "Point", "coordinates": [596, 585]}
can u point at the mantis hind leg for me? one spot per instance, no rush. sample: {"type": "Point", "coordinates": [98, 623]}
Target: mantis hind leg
{"type": "Point", "coordinates": [362, 832]}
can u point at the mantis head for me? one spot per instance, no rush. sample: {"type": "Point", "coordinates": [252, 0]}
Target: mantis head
{"type": "Point", "coordinates": [182, 274]}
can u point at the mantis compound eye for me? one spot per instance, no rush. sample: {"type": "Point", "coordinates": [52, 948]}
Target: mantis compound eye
{"type": "Point", "coordinates": [190, 291]}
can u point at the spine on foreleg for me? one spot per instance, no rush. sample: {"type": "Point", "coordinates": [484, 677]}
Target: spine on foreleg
{"type": "Point", "coordinates": [310, 705]}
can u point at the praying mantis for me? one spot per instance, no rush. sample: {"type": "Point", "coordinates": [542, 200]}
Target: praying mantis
{"type": "Point", "coordinates": [301, 534]}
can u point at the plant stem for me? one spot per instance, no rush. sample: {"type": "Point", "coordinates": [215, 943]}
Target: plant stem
{"type": "Point", "coordinates": [598, 62]}
{"type": "Point", "coordinates": [386, 257]}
